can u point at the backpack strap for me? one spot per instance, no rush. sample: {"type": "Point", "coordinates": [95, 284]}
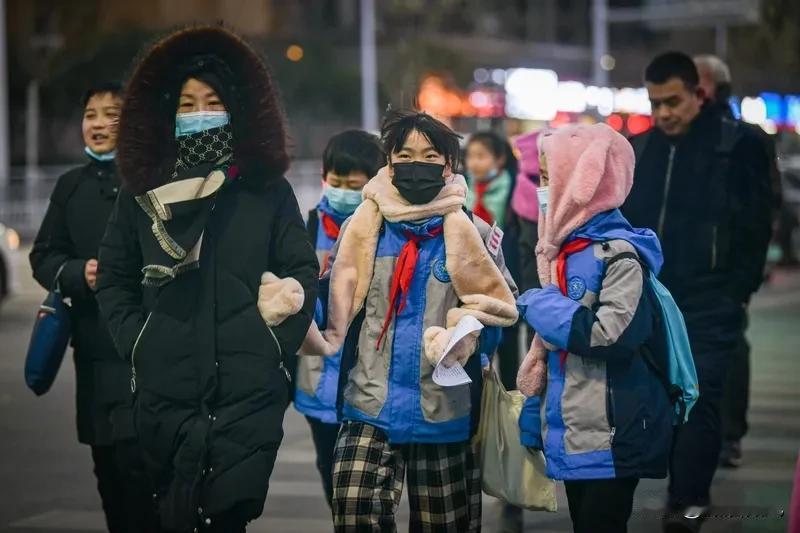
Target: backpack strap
{"type": "Point", "coordinates": [674, 392]}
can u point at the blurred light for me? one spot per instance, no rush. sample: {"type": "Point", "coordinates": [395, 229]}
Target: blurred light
{"type": "Point", "coordinates": [736, 107]}
{"type": "Point", "coordinates": [442, 101]}
{"type": "Point", "coordinates": [592, 96]}
{"type": "Point", "coordinates": [479, 99]}
{"type": "Point", "coordinates": [499, 76]}
{"type": "Point", "coordinates": [628, 100]}
{"type": "Point", "coordinates": [531, 94]}
{"type": "Point", "coordinates": [294, 53]}
{"type": "Point", "coordinates": [616, 122]}
{"type": "Point", "coordinates": [774, 105]}
{"type": "Point", "coordinates": [571, 97]}
{"type": "Point", "coordinates": [638, 124]}
{"type": "Point", "coordinates": [561, 119]}
{"type": "Point", "coordinates": [608, 62]}
{"type": "Point", "coordinates": [481, 75]}
{"type": "Point", "coordinates": [769, 126]}
{"type": "Point", "coordinates": [792, 103]}
{"type": "Point", "coordinates": [754, 110]}
{"type": "Point", "coordinates": [605, 101]}
{"type": "Point", "coordinates": [12, 239]}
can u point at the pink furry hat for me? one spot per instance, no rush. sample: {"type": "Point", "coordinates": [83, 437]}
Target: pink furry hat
{"type": "Point", "coordinates": [590, 170]}
{"type": "Point", "coordinates": [523, 200]}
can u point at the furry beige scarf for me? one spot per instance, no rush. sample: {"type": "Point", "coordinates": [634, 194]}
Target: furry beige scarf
{"type": "Point", "coordinates": [476, 279]}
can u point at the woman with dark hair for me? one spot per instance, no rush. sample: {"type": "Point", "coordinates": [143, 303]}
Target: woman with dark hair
{"type": "Point", "coordinates": [65, 254]}
{"type": "Point", "coordinates": [206, 275]}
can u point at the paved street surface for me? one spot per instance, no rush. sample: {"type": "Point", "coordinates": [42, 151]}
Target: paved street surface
{"type": "Point", "coordinates": [47, 486]}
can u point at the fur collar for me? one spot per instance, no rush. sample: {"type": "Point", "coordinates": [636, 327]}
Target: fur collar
{"type": "Point", "coordinates": [394, 208]}
{"type": "Point", "coordinates": [147, 148]}
{"type": "Point", "coordinates": [476, 279]}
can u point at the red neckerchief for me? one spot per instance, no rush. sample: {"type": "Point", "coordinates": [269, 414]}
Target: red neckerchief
{"type": "Point", "coordinates": [329, 226]}
{"type": "Point", "coordinates": [480, 209]}
{"type": "Point", "coordinates": [403, 274]}
{"type": "Point", "coordinates": [572, 247]}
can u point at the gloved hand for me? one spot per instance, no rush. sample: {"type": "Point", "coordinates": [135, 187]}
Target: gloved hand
{"type": "Point", "coordinates": [279, 298]}
{"type": "Point", "coordinates": [532, 374]}
{"type": "Point", "coordinates": [435, 340]}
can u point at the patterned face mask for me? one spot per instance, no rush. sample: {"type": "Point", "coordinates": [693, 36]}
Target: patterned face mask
{"type": "Point", "coordinates": [206, 146]}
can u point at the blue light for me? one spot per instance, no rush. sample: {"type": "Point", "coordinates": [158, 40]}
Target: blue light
{"type": "Point", "coordinates": [792, 102]}
{"type": "Point", "coordinates": [775, 109]}
{"type": "Point", "coordinates": [735, 104]}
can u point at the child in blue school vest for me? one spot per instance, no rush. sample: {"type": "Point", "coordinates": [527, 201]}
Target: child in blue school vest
{"type": "Point", "coordinates": [350, 159]}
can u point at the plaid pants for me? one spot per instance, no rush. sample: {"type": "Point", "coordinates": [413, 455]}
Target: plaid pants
{"type": "Point", "coordinates": [444, 483]}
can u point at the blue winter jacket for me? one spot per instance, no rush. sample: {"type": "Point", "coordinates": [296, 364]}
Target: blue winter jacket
{"type": "Point", "coordinates": [317, 377]}
{"type": "Point", "coordinates": [604, 414]}
{"type": "Point", "coordinates": [391, 386]}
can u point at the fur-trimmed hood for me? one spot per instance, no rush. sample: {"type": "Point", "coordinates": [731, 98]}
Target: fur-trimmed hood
{"type": "Point", "coordinates": [146, 147]}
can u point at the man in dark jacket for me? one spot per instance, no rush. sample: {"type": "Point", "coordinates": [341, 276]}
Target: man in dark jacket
{"type": "Point", "coordinates": [715, 79]}
{"type": "Point", "coordinates": [204, 235]}
{"type": "Point", "coordinates": [698, 183]}
{"type": "Point", "coordinates": [64, 253]}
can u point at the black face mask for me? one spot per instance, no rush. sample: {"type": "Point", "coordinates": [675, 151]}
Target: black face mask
{"type": "Point", "coordinates": [419, 183]}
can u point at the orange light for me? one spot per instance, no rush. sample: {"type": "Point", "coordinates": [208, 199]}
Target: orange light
{"type": "Point", "coordinates": [294, 53]}
{"type": "Point", "coordinates": [638, 124]}
{"type": "Point", "coordinates": [616, 122]}
{"type": "Point", "coordinates": [439, 100]}
{"type": "Point", "coordinates": [561, 119]}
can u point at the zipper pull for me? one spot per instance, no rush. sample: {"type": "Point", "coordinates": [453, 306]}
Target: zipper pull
{"type": "Point", "coordinates": [612, 433]}
{"type": "Point", "coordinates": [133, 380]}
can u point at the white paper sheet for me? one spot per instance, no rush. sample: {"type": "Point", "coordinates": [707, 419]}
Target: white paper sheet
{"type": "Point", "coordinates": [455, 375]}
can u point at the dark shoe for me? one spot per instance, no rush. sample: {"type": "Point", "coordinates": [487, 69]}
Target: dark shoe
{"type": "Point", "coordinates": [511, 520]}
{"type": "Point", "coordinates": [685, 520]}
{"type": "Point", "coordinates": [731, 454]}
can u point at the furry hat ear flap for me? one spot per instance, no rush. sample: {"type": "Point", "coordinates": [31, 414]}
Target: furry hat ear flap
{"type": "Point", "coordinates": [589, 171]}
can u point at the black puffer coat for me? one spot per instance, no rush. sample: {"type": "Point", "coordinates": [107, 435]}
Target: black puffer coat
{"type": "Point", "coordinates": [210, 385]}
{"type": "Point", "coordinates": [70, 235]}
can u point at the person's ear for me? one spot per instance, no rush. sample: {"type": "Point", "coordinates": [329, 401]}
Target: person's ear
{"type": "Point", "coordinates": [700, 93]}
{"type": "Point", "coordinates": [448, 171]}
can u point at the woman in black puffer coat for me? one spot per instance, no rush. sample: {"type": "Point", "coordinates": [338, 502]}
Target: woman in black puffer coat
{"type": "Point", "coordinates": [206, 274]}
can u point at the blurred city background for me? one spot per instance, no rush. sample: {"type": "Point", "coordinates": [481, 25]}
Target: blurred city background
{"type": "Point", "coordinates": [512, 66]}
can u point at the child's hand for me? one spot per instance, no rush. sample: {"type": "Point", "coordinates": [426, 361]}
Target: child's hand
{"type": "Point", "coordinates": [279, 298]}
{"type": "Point", "coordinates": [540, 306]}
{"type": "Point", "coordinates": [435, 341]}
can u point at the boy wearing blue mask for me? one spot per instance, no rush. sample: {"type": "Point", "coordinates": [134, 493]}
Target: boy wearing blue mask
{"type": "Point", "coordinates": [350, 159]}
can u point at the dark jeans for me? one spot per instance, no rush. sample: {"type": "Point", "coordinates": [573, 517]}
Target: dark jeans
{"type": "Point", "coordinates": [713, 334]}
{"type": "Point", "coordinates": [125, 491]}
{"type": "Point", "coordinates": [324, 436]}
{"type": "Point", "coordinates": [736, 392]}
{"type": "Point", "coordinates": [600, 505]}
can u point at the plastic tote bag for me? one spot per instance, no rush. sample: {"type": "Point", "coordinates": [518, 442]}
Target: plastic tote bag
{"type": "Point", "coordinates": [48, 343]}
{"type": "Point", "coordinates": [509, 470]}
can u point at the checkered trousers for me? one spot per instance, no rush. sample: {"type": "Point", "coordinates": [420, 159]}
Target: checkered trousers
{"type": "Point", "coordinates": [444, 483]}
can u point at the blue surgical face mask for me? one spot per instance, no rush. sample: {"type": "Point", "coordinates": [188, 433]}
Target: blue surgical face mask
{"type": "Point", "coordinates": [189, 123]}
{"type": "Point", "coordinates": [543, 195]}
{"type": "Point", "coordinates": [108, 156]}
{"type": "Point", "coordinates": [343, 201]}
{"type": "Point", "coordinates": [492, 174]}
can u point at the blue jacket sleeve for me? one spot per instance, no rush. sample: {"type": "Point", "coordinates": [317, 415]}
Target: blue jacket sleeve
{"type": "Point", "coordinates": [614, 329]}
{"type": "Point", "coordinates": [549, 313]}
{"type": "Point", "coordinates": [489, 340]}
{"type": "Point", "coordinates": [530, 423]}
